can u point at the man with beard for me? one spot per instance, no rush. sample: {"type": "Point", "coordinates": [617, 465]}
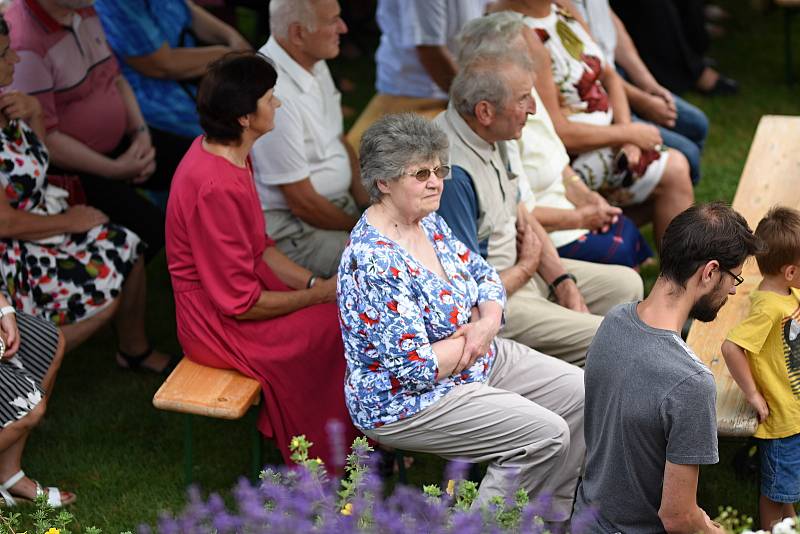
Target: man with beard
{"type": "Point", "coordinates": [650, 417]}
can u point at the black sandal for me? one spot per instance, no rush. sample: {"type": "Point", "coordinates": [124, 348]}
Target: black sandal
{"type": "Point", "coordinates": [135, 362]}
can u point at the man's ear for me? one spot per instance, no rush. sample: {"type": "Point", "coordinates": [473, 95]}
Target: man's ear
{"type": "Point", "coordinates": [707, 270]}
{"type": "Point", "coordinates": [485, 113]}
{"type": "Point", "coordinates": [244, 121]}
{"type": "Point", "coordinates": [296, 33]}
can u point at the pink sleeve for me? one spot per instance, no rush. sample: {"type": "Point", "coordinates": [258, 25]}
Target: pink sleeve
{"type": "Point", "coordinates": [223, 252]}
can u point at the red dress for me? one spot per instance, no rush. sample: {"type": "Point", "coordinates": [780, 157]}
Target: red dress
{"type": "Point", "coordinates": [216, 236]}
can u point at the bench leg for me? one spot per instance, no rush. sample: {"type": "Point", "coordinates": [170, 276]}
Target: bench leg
{"type": "Point", "coordinates": [257, 457]}
{"type": "Point", "coordinates": [188, 451]}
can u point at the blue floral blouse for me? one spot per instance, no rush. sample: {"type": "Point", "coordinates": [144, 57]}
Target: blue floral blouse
{"type": "Point", "coordinates": [392, 309]}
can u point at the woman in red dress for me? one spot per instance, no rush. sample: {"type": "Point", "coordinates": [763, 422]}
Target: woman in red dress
{"type": "Point", "coordinates": [239, 301]}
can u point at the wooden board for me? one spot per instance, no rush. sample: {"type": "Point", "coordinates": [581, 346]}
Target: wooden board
{"type": "Point", "coordinates": [771, 176]}
{"type": "Point", "coordinates": [381, 105]}
{"type": "Point", "coordinates": [196, 389]}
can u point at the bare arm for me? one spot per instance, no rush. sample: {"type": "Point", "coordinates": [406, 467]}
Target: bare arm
{"type": "Point", "coordinates": [439, 64]}
{"type": "Point", "coordinates": [290, 273]}
{"type": "Point", "coordinates": [210, 29]}
{"type": "Point", "coordinates": [360, 194]}
{"type": "Point", "coordinates": [71, 154]}
{"type": "Point", "coordinates": [736, 360]}
{"type": "Point", "coordinates": [177, 63]}
{"type": "Point", "coordinates": [135, 117]}
{"type": "Point", "coordinates": [553, 219]}
{"type": "Point", "coordinates": [616, 95]}
{"type": "Point", "coordinates": [307, 205]}
{"type": "Point", "coordinates": [679, 512]}
{"type": "Point", "coordinates": [26, 226]}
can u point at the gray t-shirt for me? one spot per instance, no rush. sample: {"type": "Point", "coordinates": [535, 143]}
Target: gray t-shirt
{"type": "Point", "coordinates": [648, 399]}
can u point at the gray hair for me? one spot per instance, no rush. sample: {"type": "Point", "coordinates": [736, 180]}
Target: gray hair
{"type": "Point", "coordinates": [282, 13]}
{"type": "Point", "coordinates": [491, 34]}
{"type": "Point", "coordinates": [393, 143]}
{"type": "Point", "coordinates": [483, 79]}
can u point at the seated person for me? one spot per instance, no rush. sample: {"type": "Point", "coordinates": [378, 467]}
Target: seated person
{"type": "Point", "coordinates": [682, 125]}
{"type": "Point", "coordinates": [66, 265]}
{"type": "Point", "coordinates": [306, 173]}
{"type": "Point", "coordinates": [94, 126]}
{"type": "Point", "coordinates": [31, 353]}
{"type": "Point", "coordinates": [420, 315]}
{"type": "Point", "coordinates": [590, 113]}
{"type": "Point", "coordinates": [240, 303]}
{"type": "Point", "coordinates": [164, 48]}
{"type": "Point", "coordinates": [554, 306]}
{"type": "Point", "coordinates": [581, 223]}
{"type": "Point", "coordinates": [763, 357]}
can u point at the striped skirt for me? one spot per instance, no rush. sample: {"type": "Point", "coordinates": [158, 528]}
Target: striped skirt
{"type": "Point", "coordinates": [21, 376]}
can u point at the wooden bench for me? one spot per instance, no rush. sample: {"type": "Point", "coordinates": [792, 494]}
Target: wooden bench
{"type": "Point", "coordinates": [382, 104]}
{"type": "Point", "coordinates": [771, 176]}
{"type": "Point", "coordinates": [195, 389]}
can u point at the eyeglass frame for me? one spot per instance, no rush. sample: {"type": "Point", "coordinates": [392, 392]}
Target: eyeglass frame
{"type": "Point", "coordinates": [427, 173]}
{"type": "Point", "coordinates": [738, 279]}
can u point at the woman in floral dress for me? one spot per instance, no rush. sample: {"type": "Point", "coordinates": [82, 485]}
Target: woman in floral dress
{"type": "Point", "coordinates": [622, 160]}
{"type": "Point", "coordinates": [67, 265]}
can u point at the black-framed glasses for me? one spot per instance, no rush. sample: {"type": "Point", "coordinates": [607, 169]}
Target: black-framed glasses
{"type": "Point", "coordinates": [423, 175]}
{"type": "Point", "coordinates": [737, 278]}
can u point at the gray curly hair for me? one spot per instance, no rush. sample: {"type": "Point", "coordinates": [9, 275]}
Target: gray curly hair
{"type": "Point", "coordinates": [395, 142]}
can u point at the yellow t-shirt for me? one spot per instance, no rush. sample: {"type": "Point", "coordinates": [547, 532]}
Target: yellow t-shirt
{"type": "Point", "coordinates": [770, 335]}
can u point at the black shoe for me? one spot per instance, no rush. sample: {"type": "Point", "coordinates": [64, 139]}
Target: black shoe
{"type": "Point", "coordinates": [723, 87]}
{"type": "Point", "coordinates": [136, 362]}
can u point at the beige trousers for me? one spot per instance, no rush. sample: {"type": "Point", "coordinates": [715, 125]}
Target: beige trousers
{"type": "Point", "coordinates": [548, 327]}
{"type": "Point", "coordinates": [526, 420]}
{"type": "Point", "coordinates": [317, 250]}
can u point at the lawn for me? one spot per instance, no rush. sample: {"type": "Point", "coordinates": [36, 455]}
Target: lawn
{"type": "Point", "coordinates": [103, 439]}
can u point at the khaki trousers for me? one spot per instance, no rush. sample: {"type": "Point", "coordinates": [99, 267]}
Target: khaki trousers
{"type": "Point", "coordinates": [317, 250]}
{"type": "Point", "coordinates": [526, 420]}
{"type": "Point", "coordinates": [548, 327]}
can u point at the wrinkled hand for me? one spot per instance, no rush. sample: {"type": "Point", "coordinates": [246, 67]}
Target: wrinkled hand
{"type": "Point", "coordinates": [569, 296]}
{"type": "Point", "coordinates": [598, 217]}
{"type": "Point", "coordinates": [644, 136]}
{"type": "Point", "coordinates": [136, 161]}
{"type": "Point", "coordinates": [758, 403]}
{"type": "Point", "coordinates": [529, 247]}
{"type": "Point", "coordinates": [656, 109]}
{"type": "Point", "coordinates": [326, 288]}
{"type": "Point", "coordinates": [8, 325]}
{"type": "Point", "coordinates": [17, 105]}
{"type": "Point", "coordinates": [83, 218]}
{"type": "Point", "coordinates": [478, 338]}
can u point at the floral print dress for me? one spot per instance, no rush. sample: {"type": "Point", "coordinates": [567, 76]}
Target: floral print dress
{"type": "Point", "coordinates": [63, 278]}
{"type": "Point", "coordinates": [577, 64]}
{"type": "Point", "coordinates": [392, 309]}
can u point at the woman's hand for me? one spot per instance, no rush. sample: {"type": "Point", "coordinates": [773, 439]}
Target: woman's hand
{"type": "Point", "coordinates": [644, 136]}
{"type": "Point", "coordinates": [8, 326]}
{"type": "Point", "coordinates": [83, 218]}
{"type": "Point", "coordinates": [633, 153]}
{"type": "Point", "coordinates": [326, 289]}
{"type": "Point", "coordinates": [598, 217]}
{"type": "Point", "coordinates": [656, 109]}
{"type": "Point", "coordinates": [16, 105]}
{"type": "Point", "coordinates": [478, 337]}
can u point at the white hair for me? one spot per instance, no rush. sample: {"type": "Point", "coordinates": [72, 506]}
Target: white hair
{"type": "Point", "coordinates": [490, 35]}
{"type": "Point", "coordinates": [283, 13]}
{"type": "Point", "coordinates": [485, 77]}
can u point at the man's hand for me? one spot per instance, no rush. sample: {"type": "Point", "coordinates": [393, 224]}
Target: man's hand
{"type": "Point", "coordinates": [598, 217]}
{"type": "Point", "coordinates": [569, 296]}
{"type": "Point", "coordinates": [529, 248]}
{"type": "Point", "coordinates": [135, 162]}
{"type": "Point", "coordinates": [17, 105]}
{"type": "Point", "coordinates": [657, 110]}
{"type": "Point", "coordinates": [759, 404]}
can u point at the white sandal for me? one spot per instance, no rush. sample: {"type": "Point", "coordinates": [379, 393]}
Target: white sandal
{"type": "Point", "coordinates": [53, 493]}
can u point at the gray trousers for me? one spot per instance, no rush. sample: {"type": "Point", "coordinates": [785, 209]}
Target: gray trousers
{"type": "Point", "coordinates": [317, 250]}
{"type": "Point", "coordinates": [533, 320]}
{"type": "Point", "coordinates": [526, 421]}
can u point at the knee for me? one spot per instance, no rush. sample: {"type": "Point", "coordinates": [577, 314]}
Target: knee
{"type": "Point", "coordinates": [676, 178]}
{"type": "Point", "coordinates": [34, 417]}
{"type": "Point", "coordinates": [61, 347]}
{"type": "Point", "coordinates": [626, 283]}
{"type": "Point", "coordinates": [555, 443]}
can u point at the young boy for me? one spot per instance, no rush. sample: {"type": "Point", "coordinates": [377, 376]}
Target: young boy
{"type": "Point", "coordinates": [763, 355]}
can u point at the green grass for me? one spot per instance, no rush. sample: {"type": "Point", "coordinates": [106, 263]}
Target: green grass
{"type": "Point", "coordinates": [104, 440]}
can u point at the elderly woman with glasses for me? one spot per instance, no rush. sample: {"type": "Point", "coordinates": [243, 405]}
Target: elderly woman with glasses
{"type": "Point", "coordinates": [420, 314]}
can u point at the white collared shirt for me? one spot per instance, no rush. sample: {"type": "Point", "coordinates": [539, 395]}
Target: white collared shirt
{"type": "Point", "coordinates": [406, 24]}
{"type": "Point", "coordinates": [307, 139]}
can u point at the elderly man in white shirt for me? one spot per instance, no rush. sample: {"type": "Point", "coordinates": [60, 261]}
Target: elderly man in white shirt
{"type": "Point", "coordinates": [306, 174]}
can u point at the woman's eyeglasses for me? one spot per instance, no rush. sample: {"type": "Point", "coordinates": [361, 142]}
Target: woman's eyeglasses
{"type": "Point", "coordinates": [423, 175]}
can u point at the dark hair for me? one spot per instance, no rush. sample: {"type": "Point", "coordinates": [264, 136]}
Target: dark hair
{"type": "Point", "coordinates": [702, 233]}
{"type": "Point", "coordinates": [780, 232]}
{"type": "Point", "coordinates": [229, 90]}
{"type": "Point", "coordinates": [3, 25]}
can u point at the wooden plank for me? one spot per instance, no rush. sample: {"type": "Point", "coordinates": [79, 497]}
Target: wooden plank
{"type": "Point", "coordinates": [382, 104]}
{"type": "Point", "coordinates": [771, 176]}
{"type": "Point", "coordinates": [196, 389]}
